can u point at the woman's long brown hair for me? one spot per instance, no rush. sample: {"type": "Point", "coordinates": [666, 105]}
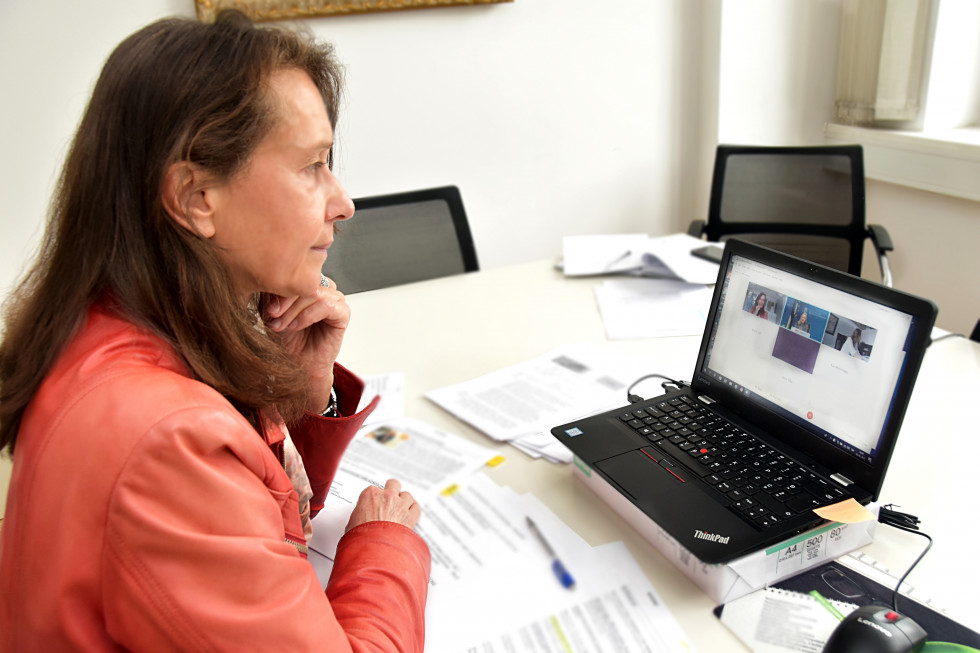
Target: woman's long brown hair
{"type": "Point", "coordinates": [177, 90]}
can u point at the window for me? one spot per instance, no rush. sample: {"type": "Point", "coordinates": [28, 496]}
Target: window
{"type": "Point", "coordinates": [909, 92]}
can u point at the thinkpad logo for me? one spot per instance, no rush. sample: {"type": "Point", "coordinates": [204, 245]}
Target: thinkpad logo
{"type": "Point", "coordinates": [711, 537]}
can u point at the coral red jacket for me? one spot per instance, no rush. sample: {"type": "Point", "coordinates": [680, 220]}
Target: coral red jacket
{"type": "Point", "coordinates": [145, 513]}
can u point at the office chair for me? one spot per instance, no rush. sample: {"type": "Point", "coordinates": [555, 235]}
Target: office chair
{"type": "Point", "coordinates": [804, 201]}
{"type": "Point", "coordinates": [400, 238]}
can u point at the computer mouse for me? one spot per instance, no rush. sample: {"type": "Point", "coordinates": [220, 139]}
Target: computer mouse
{"type": "Point", "coordinates": [876, 629]}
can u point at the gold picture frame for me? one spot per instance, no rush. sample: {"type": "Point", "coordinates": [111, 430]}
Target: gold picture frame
{"type": "Point", "coordinates": [265, 10]}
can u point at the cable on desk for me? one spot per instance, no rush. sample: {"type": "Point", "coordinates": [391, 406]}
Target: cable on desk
{"type": "Point", "coordinates": [667, 381]}
{"type": "Point", "coordinates": [906, 522]}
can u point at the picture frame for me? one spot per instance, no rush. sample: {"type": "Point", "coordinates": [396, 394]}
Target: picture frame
{"type": "Point", "coordinates": [268, 10]}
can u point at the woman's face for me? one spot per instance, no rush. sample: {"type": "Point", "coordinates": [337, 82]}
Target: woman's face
{"type": "Point", "coordinates": [760, 301]}
{"type": "Point", "coordinates": [274, 220]}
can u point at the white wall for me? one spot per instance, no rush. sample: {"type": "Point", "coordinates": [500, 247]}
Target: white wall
{"type": "Point", "coordinates": [50, 55]}
{"type": "Point", "coordinates": [936, 244]}
{"type": "Point", "coordinates": [552, 116]}
{"type": "Point", "coordinates": [778, 64]}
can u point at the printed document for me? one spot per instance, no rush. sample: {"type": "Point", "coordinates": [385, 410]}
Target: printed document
{"type": "Point", "coordinates": [773, 620]}
{"type": "Point", "coordinates": [492, 587]}
{"type": "Point", "coordinates": [492, 582]}
{"type": "Point", "coordinates": [628, 618]}
{"type": "Point", "coordinates": [532, 397]}
{"type": "Point", "coordinates": [391, 389]}
{"type": "Point", "coordinates": [425, 459]}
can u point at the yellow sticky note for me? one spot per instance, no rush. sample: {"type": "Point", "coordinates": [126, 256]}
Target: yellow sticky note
{"type": "Point", "coordinates": [496, 460]}
{"type": "Point", "coordinates": [451, 490]}
{"type": "Point", "coordinates": [848, 511]}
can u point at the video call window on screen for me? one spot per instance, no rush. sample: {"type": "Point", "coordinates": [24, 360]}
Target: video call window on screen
{"type": "Point", "coordinates": [806, 328]}
{"type": "Point", "coordinates": [827, 359]}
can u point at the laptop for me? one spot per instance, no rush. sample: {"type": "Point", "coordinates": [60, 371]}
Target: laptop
{"type": "Point", "coordinates": [800, 387]}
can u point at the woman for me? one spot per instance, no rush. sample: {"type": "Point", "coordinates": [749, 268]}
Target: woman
{"type": "Point", "coordinates": [759, 306]}
{"type": "Point", "coordinates": [173, 325]}
{"type": "Point", "coordinates": [852, 345]}
{"type": "Point", "coordinates": [801, 323]}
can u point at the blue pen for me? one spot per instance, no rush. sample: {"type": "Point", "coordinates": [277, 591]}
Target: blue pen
{"type": "Point", "coordinates": [561, 573]}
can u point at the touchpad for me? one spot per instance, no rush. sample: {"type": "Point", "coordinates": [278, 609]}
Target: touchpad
{"type": "Point", "coordinates": [641, 475]}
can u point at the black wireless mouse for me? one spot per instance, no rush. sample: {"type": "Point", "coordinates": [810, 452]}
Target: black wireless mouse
{"type": "Point", "coordinates": [876, 629]}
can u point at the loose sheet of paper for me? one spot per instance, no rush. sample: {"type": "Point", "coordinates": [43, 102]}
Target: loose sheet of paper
{"type": "Point", "coordinates": [773, 620]}
{"type": "Point", "coordinates": [627, 618]}
{"type": "Point", "coordinates": [530, 398]}
{"type": "Point", "coordinates": [649, 308]}
{"type": "Point", "coordinates": [391, 389]}
{"type": "Point", "coordinates": [425, 459]}
{"type": "Point", "coordinates": [542, 445]}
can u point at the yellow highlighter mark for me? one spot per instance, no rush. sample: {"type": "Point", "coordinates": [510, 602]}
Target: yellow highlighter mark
{"type": "Point", "coordinates": [496, 460]}
{"type": "Point", "coordinates": [560, 633]}
{"type": "Point", "coordinates": [451, 490]}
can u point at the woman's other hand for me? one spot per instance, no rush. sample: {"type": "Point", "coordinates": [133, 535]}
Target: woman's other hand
{"type": "Point", "coordinates": [388, 504]}
{"type": "Point", "coordinates": [312, 328]}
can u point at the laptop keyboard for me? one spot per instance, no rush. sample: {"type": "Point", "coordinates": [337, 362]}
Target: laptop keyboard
{"type": "Point", "coordinates": [757, 482]}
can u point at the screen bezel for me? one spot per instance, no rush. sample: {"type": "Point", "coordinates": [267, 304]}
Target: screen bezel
{"type": "Point", "coordinates": [868, 476]}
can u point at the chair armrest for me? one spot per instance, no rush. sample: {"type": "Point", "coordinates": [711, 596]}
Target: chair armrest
{"type": "Point", "coordinates": [879, 236]}
{"type": "Point", "coordinates": [883, 244]}
{"type": "Point", "coordinates": [696, 228]}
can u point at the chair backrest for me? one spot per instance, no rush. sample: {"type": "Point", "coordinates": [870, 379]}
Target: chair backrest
{"type": "Point", "coordinates": [805, 201]}
{"type": "Point", "coordinates": [400, 238]}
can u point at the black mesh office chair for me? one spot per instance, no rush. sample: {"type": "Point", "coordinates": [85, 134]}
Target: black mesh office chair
{"type": "Point", "coordinates": [402, 237]}
{"type": "Point", "coordinates": [805, 201]}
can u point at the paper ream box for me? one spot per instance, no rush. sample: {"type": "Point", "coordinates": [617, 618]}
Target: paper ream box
{"type": "Point", "coordinates": [725, 582]}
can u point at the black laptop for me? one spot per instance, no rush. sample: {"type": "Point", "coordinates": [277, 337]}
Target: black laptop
{"type": "Point", "coordinates": [800, 387]}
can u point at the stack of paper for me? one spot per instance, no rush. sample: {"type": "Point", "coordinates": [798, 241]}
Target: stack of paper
{"type": "Point", "coordinates": [667, 257]}
{"type": "Point", "coordinates": [492, 587]}
{"type": "Point", "coordinates": [804, 622]}
{"type": "Point", "coordinates": [503, 595]}
{"type": "Point", "coordinates": [520, 404]}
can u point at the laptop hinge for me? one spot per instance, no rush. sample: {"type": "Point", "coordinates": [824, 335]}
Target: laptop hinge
{"type": "Point", "coordinates": [843, 480]}
{"type": "Point", "coordinates": [705, 399]}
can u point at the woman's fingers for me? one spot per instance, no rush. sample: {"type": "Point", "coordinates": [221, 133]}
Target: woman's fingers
{"type": "Point", "coordinates": [388, 504]}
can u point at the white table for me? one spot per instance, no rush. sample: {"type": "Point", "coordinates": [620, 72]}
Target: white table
{"type": "Point", "coordinates": [453, 329]}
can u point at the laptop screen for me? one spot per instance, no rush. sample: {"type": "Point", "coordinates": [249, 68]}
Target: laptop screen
{"type": "Point", "coordinates": [826, 359]}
